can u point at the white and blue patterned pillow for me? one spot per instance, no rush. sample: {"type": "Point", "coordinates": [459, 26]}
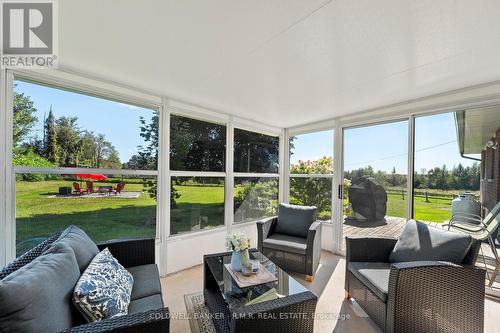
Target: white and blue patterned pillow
{"type": "Point", "coordinates": [104, 289]}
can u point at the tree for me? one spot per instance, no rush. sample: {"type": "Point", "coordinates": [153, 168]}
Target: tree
{"type": "Point", "coordinates": [68, 140]}
{"type": "Point", "coordinates": [51, 149]}
{"type": "Point", "coordinates": [312, 191]}
{"type": "Point", "coordinates": [24, 118]}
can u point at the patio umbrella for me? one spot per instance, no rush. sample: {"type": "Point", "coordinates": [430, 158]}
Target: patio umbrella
{"type": "Point", "coordinates": [93, 176]}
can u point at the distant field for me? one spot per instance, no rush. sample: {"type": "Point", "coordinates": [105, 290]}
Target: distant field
{"type": "Point", "coordinates": [106, 218]}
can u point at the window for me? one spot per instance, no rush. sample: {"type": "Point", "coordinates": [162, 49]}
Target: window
{"type": "Point", "coordinates": [54, 128]}
{"type": "Point", "coordinates": [452, 151]}
{"type": "Point", "coordinates": [197, 161]}
{"type": "Point", "coordinates": [311, 172]}
{"type": "Point", "coordinates": [197, 203]}
{"type": "Point", "coordinates": [256, 178]}
{"type": "Point", "coordinates": [255, 152]}
{"type": "Point", "coordinates": [196, 145]}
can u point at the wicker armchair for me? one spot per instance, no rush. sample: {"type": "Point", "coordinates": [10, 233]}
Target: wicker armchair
{"type": "Point", "coordinates": [421, 296]}
{"type": "Point", "coordinates": [305, 260]}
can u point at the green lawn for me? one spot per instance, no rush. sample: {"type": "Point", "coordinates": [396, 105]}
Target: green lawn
{"type": "Point", "coordinates": [104, 218]}
{"type": "Point", "coordinates": [38, 215]}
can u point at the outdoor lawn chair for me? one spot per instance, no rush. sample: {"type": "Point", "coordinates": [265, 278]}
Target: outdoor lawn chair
{"type": "Point", "coordinates": [480, 229]}
{"type": "Point", "coordinates": [78, 189]}
{"type": "Point", "coordinates": [90, 187]}
{"type": "Point", "coordinates": [119, 188]}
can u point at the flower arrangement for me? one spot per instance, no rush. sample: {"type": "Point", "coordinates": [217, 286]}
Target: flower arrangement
{"type": "Point", "coordinates": [237, 242]}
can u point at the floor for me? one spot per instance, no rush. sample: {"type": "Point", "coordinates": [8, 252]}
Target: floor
{"type": "Point", "coordinates": [328, 285]}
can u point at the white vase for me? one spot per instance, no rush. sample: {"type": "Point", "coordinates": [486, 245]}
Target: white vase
{"type": "Point", "coordinates": [239, 259]}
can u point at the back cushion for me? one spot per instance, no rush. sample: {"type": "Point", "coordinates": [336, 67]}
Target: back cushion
{"type": "Point", "coordinates": [420, 242]}
{"type": "Point", "coordinates": [295, 220]}
{"type": "Point", "coordinates": [84, 247]}
{"type": "Point", "coordinates": [37, 297]}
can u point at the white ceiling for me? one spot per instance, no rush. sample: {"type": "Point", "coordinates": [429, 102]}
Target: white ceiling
{"type": "Point", "coordinates": [285, 63]}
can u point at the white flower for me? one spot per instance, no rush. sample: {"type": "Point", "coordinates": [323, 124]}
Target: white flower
{"type": "Point", "coordinates": [237, 242]}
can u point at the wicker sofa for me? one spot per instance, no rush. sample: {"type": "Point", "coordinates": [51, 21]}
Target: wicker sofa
{"type": "Point", "coordinates": [419, 296]}
{"type": "Point", "coordinates": [146, 310]}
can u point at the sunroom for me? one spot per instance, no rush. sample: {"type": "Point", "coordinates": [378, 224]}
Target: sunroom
{"type": "Point", "coordinates": [287, 166]}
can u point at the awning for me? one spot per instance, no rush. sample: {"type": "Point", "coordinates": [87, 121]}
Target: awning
{"type": "Point", "coordinates": [475, 127]}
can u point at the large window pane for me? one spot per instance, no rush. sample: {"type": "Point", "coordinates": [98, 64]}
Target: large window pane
{"type": "Point", "coordinates": [255, 198]}
{"type": "Point", "coordinates": [255, 152]}
{"type": "Point", "coordinates": [312, 153]}
{"type": "Point", "coordinates": [55, 128]}
{"type": "Point", "coordinates": [313, 192]}
{"type": "Point", "coordinates": [197, 203]}
{"type": "Point", "coordinates": [375, 176]}
{"type": "Point", "coordinates": [456, 152]}
{"type": "Point", "coordinates": [58, 128]}
{"type": "Point", "coordinates": [48, 203]}
{"type": "Point", "coordinates": [196, 145]}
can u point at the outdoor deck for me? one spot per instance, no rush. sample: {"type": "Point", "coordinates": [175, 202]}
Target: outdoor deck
{"type": "Point", "coordinates": [393, 227]}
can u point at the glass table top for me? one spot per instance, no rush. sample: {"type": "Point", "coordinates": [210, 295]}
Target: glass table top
{"type": "Point", "coordinates": [240, 297]}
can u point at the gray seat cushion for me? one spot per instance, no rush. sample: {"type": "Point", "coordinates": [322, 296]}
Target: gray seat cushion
{"type": "Point", "coordinates": [146, 281]}
{"type": "Point", "coordinates": [84, 247]}
{"type": "Point", "coordinates": [37, 297]}
{"type": "Point", "coordinates": [374, 275]}
{"type": "Point", "coordinates": [295, 220]}
{"type": "Point", "coordinates": [420, 242]}
{"type": "Point", "coordinates": [144, 304]}
{"type": "Point", "coordinates": [285, 243]}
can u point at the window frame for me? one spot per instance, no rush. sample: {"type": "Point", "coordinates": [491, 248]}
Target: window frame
{"type": "Point", "coordinates": [101, 90]}
{"type": "Point", "coordinates": [278, 175]}
{"type": "Point", "coordinates": [312, 130]}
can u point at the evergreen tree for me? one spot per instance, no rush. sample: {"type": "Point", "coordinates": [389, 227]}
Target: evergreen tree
{"type": "Point", "coordinates": [51, 149]}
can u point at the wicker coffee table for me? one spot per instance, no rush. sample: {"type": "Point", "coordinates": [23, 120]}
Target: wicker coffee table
{"type": "Point", "coordinates": [292, 310]}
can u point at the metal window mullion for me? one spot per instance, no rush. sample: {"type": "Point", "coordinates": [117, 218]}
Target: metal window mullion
{"type": "Point", "coordinates": [229, 184]}
{"type": "Point", "coordinates": [197, 174]}
{"type": "Point", "coordinates": [311, 175]}
{"type": "Point", "coordinates": [70, 171]}
{"type": "Point", "coordinates": [411, 166]}
{"type": "Point", "coordinates": [285, 169]}
{"type": "Point", "coordinates": [255, 175]}
{"type": "Point", "coordinates": [338, 214]}
{"type": "Point", "coordinates": [10, 185]}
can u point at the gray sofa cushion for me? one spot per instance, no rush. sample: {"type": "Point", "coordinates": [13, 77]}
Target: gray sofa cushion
{"type": "Point", "coordinates": [285, 243]}
{"type": "Point", "coordinates": [420, 242]}
{"type": "Point", "coordinates": [146, 281]}
{"type": "Point", "coordinates": [84, 247]}
{"type": "Point", "coordinates": [144, 304]}
{"type": "Point", "coordinates": [295, 220]}
{"type": "Point", "coordinates": [37, 297]}
{"type": "Point", "coordinates": [374, 275]}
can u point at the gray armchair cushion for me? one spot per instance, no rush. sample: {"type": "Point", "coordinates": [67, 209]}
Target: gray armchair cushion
{"type": "Point", "coordinates": [374, 275]}
{"type": "Point", "coordinates": [294, 220]}
{"type": "Point", "coordinates": [37, 297]}
{"type": "Point", "coordinates": [420, 242]}
{"type": "Point", "coordinates": [146, 281]}
{"type": "Point", "coordinates": [286, 243]}
{"type": "Point", "coordinates": [84, 248]}
{"type": "Point", "coordinates": [144, 304]}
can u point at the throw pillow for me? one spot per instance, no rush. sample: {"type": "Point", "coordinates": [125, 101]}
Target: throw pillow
{"type": "Point", "coordinates": [104, 289]}
{"type": "Point", "coordinates": [420, 242]}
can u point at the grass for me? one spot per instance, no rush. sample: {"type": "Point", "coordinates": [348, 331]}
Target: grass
{"type": "Point", "coordinates": [199, 207]}
{"type": "Point", "coordinates": [38, 215]}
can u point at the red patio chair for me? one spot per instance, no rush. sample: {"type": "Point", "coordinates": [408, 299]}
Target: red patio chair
{"type": "Point", "coordinates": [78, 189]}
{"type": "Point", "coordinates": [119, 188]}
{"type": "Point", "coordinates": [90, 187]}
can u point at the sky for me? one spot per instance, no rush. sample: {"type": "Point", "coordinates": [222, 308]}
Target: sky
{"type": "Point", "coordinates": [385, 146]}
{"type": "Point", "coordinates": [117, 121]}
